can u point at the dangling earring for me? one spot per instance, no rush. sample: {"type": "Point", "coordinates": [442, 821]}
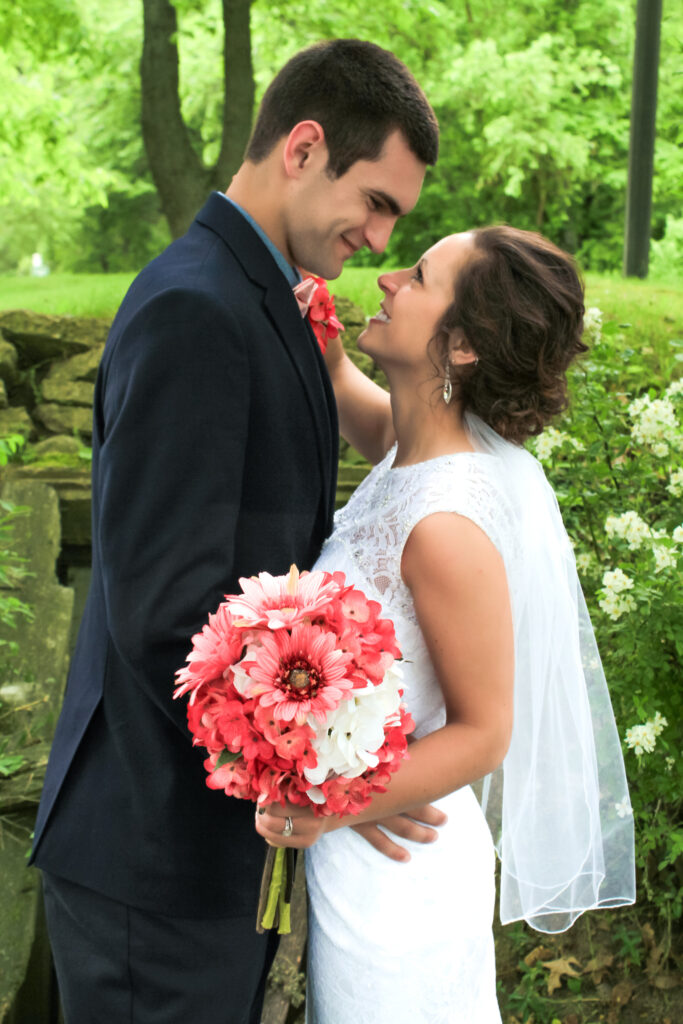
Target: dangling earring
{"type": "Point", "coordinates": [447, 392]}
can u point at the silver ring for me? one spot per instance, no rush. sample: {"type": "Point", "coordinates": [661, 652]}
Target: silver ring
{"type": "Point", "coordinates": [289, 827]}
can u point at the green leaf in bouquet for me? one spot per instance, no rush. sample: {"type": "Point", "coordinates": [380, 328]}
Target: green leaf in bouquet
{"type": "Point", "coordinates": [227, 757]}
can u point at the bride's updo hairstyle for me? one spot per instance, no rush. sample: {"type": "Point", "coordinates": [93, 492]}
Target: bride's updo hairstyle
{"type": "Point", "coordinates": [519, 302]}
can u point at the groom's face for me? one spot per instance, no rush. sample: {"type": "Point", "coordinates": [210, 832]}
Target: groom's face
{"type": "Point", "coordinates": [329, 219]}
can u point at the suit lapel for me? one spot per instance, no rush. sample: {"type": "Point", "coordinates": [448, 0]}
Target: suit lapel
{"type": "Point", "coordinates": [295, 333]}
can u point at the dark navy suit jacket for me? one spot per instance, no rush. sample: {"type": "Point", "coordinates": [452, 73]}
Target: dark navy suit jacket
{"type": "Point", "coordinates": [215, 446]}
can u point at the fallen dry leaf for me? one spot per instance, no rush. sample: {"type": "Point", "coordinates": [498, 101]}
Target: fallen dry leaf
{"type": "Point", "coordinates": [536, 954]}
{"type": "Point", "coordinates": [597, 966]}
{"type": "Point", "coordinates": [558, 968]}
{"type": "Point", "coordinates": [666, 981]}
{"type": "Point", "coordinates": [622, 992]}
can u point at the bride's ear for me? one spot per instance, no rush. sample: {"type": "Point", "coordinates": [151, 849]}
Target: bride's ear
{"type": "Point", "coordinates": [460, 352]}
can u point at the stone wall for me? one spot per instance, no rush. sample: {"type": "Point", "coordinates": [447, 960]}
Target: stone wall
{"type": "Point", "coordinates": [32, 679]}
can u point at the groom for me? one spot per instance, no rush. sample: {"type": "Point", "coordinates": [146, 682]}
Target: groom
{"type": "Point", "coordinates": [214, 457]}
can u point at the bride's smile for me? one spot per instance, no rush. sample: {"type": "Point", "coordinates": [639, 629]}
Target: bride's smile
{"type": "Point", "coordinates": [414, 301]}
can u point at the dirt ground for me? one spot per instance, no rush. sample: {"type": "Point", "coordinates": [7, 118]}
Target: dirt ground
{"type": "Point", "coordinates": [617, 967]}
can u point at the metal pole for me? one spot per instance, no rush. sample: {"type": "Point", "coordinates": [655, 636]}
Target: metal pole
{"type": "Point", "coordinates": [642, 143]}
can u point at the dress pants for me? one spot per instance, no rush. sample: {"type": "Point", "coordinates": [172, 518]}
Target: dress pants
{"type": "Point", "coordinates": [116, 964]}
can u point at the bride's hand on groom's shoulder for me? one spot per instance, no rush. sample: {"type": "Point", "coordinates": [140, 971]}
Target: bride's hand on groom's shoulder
{"type": "Point", "coordinates": [419, 826]}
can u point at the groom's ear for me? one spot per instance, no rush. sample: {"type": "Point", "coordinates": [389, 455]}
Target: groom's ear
{"type": "Point", "coordinates": [304, 147]}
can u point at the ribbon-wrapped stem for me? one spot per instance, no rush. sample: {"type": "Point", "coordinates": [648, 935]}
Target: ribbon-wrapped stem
{"type": "Point", "coordinates": [275, 898]}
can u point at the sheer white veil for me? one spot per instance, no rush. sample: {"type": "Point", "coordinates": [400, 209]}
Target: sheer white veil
{"type": "Point", "coordinates": [558, 806]}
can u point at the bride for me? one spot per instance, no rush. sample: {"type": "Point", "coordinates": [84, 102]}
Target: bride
{"type": "Point", "coordinates": [458, 535]}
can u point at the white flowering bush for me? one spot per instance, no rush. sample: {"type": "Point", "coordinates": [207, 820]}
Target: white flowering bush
{"type": "Point", "coordinates": [616, 463]}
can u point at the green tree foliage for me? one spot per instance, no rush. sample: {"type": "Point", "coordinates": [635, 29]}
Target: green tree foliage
{"type": "Point", "coordinates": [70, 145]}
{"type": "Point", "coordinates": [533, 100]}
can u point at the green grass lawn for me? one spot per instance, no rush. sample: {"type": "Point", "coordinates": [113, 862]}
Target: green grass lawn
{"type": "Point", "coordinates": [65, 294]}
{"type": "Point", "coordinates": [653, 309]}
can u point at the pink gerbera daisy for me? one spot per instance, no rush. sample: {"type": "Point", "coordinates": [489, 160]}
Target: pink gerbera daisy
{"type": "Point", "coordinates": [213, 653]}
{"type": "Point", "coordinates": [281, 601]}
{"type": "Point", "coordinates": [298, 674]}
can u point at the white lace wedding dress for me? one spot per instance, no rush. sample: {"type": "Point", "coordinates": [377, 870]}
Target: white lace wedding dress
{"type": "Point", "coordinates": [394, 943]}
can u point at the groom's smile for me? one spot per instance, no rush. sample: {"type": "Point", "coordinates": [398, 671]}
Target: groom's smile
{"type": "Point", "coordinates": [332, 218]}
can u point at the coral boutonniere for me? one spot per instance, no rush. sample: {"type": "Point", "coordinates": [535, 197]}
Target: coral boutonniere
{"type": "Point", "coordinates": [315, 301]}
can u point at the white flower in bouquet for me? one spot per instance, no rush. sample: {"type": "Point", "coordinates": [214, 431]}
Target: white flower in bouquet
{"type": "Point", "coordinates": [347, 741]}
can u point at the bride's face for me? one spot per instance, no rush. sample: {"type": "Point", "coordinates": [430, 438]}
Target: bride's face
{"type": "Point", "coordinates": [414, 301]}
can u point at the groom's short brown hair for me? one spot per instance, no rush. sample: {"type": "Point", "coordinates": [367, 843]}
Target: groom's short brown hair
{"type": "Point", "coordinates": [359, 94]}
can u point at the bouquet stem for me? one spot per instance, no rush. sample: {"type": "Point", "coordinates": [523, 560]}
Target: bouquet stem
{"type": "Point", "coordinates": [275, 898]}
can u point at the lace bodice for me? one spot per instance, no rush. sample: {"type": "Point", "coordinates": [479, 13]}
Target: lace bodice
{"type": "Point", "coordinates": [371, 531]}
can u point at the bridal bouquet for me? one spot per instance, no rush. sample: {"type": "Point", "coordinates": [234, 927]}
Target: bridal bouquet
{"type": "Point", "coordinates": [295, 694]}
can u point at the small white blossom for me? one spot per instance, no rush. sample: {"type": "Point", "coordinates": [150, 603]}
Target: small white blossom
{"type": "Point", "coordinates": [623, 809]}
{"type": "Point", "coordinates": [592, 324]}
{"type": "Point", "coordinates": [665, 558]}
{"type": "Point", "coordinates": [643, 738]}
{"type": "Point", "coordinates": [552, 438]}
{"type": "Point", "coordinates": [630, 527]}
{"type": "Point", "coordinates": [615, 600]}
{"type": "Point", "coordinates": [677, 535]}
{"type": "Point", "coordinates": [640, 740]}
{"type": "Point", "coordinates": [638, 405]}
{"type": "Point", "coordinates": [670, 762]}
{"type": "Point", "coordinates": [584, 561]}
{"type": "Point", "coordinates": [617, 581]}
{"type": "Point", "coordinates": [617, 605]}
{"type": "Point", "coordinates": [655, 424]}
{"type": "Point", "coordinates": [675, 388]}
{"type": "Point", "coordinates": [659, 723]}
{"type": "Point", "coordinates": [546, 443]}
{"type": "Point", "coordinates": [675, 485]}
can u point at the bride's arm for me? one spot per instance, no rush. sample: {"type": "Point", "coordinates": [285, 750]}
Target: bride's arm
{"type": "Point", "coordinates": [459, 587]}
{"type": "Point", "coordinates": [364, 408]}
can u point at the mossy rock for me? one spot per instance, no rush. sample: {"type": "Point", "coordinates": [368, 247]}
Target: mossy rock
{"type": "Point", "coordinates": [53, 449]}
{"type": "Point", "coordinates": [69, 475]}
{"type": "Point", "coordinates": [39, 337]}
{"type": "Point", "coordinates": [67, 392]}
{"type": "Point", "coordinates": [9, 360]}
{"type": "Point", "coordinates": [15, 420]}
{"type": "Point", "coordinates": [65, 419]}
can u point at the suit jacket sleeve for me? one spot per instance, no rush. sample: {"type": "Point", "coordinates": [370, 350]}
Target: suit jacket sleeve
{"type": "Point", "coordinates": [175, 405]}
